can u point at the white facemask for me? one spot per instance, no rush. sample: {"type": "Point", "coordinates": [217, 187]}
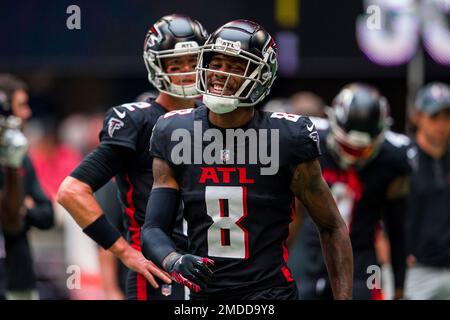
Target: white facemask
{"type": "Point", "coordinates": [184, 91]}
{"type": "Point", "coordinates": [220, 104]}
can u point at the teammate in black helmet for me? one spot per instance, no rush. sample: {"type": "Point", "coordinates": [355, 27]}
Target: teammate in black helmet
{"type": "Point", "coordinates": [171, 49]}
{"type": "Point", "coordinates": [366, 168]}
{"type": "Point", "coordinates": [358, 122]}
{"type": "Point", "coordinates": [237, 186]}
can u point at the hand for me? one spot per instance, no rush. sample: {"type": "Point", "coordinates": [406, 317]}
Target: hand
{"type": "Point", "coordinates": [135, 261]}
{"type": "Point", "coordinates": [29, 203]}
{"type": "Point", "coordinates": [189, 270]}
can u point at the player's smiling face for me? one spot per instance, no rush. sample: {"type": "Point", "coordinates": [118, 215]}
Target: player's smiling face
{"type": "Point", "coordinates": [181, 64]}
{"type": "Point", "coordinates": [217, 81]}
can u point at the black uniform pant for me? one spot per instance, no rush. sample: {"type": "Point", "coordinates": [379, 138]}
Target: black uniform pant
{"type": "Point", "coordinates": [287, 292]}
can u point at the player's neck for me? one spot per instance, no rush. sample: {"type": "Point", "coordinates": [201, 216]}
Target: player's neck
{"type": "Point", "coordinates": [171, 103]}
{"type": "Point", "coordinates": [434, 150]}
{"type": "Point", "coordinates": [234, 119]}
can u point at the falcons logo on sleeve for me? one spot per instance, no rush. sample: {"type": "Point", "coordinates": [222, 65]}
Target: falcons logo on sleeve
{"type": "Point", "coordinates": [113, 125]}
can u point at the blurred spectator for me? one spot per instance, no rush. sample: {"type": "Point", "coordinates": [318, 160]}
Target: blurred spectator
{"type": "Point", "coordinates": [278, 105]}
{"type": "Point", "coordinates": [81, 131]}
{"type": "Point", "coordinates": [307, 103]}
{"type": "Point", "coordinates": [10, 200]}
{"type": "Point", "coordinates": [11, 192]}
{"type": "Point", "coordinates": [38, 212]}
{"type": "Point", "coordinates": [74, 132]}
{"type": "Point", "coordinates": [303, 102]}
{"type": "Point", "coordinates": [429, 215]}
{"type": "Point", "coordinates": [52, 159]}
{"type": "Point", "coordinates": [36, 208]}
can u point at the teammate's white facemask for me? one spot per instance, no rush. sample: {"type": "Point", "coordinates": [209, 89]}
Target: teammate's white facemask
{"type": "Point", "coordinates": [220, 105]}
{"type": "Point", "coordinates": [183, 91]}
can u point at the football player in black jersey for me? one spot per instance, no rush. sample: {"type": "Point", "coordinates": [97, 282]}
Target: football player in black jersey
{"type": "Point", "coordinates": [238, 192]}
{"type": "Point", "coordinates": [366, 168]}
{"type": "Point", "coordinates": [171, 50]}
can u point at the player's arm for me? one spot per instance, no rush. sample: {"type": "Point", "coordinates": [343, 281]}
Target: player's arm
{"type": "Point", "coordinates": [76, 195]}
{"type": "Point", "coordinates": [162, 209]}
{"type": "Point", "coordinates": [394, 220]}
{"type": "Point", "coordinates": [295, 225]}
{"type": "Point", "coordinates": [309, 186]}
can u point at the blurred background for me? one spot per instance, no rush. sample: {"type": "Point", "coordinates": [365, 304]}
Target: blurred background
{"type": "Point", "coordinates": [76, 75]}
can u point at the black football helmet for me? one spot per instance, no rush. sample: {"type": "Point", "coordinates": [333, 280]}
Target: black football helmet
{"type": "Point", "coordinates": [248, 41]}
{"type": "Point", "coordinates": [171, 36]}
{"type": "Point", "coordinates": [359, 118]}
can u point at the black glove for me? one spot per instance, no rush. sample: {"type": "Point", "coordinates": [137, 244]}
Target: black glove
{"type": "Point", "coordinates": [189, 270]}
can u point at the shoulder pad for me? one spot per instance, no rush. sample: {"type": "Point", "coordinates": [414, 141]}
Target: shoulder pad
{"type": "Point", "coordinates": [320, 123]}
{"type": "Point", "coordinates": [128, 108]}
{"type": "Point", "coordinates": [178, 112]}
{"type": "Point", "coordinates": [287, 116]}
{"type": "Point", "coordinates": [397, 139]}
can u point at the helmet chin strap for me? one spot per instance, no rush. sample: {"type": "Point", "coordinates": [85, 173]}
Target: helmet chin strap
{"type": "Point", "coordinates": [220, 105]}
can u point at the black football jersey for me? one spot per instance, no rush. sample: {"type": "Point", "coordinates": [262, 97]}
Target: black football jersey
{"type": "Point", "coordinates": [238, 207]}
{"type": "Point", "coordinates": [360, 195]}
{"type": "Point", "coordinates": [130, 125]}
{"type": "Point", "coordinates": [428, 221]}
